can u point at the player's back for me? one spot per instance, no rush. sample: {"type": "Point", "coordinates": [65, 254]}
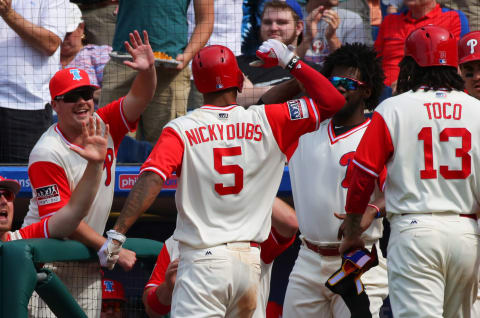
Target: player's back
{"type": "Point", "coordinates": [231, 170]}
{"type": "Point", "coordinates": [436, 156]}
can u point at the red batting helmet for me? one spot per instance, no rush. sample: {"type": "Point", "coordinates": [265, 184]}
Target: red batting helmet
{"type": "Point", "coordinates": [215, 68]}
{"type": "Point", "coordinates": [432, 45]}
{"type": "Point", "coordinates": [469, 47]}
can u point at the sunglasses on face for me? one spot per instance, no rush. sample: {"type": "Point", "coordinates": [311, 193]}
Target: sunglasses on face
{"type": "Point", "coordinates": [74, 96]}
{"type": "Point", "coordinates": [9, 195]}
{"type": "Point", "coordinates": [348, 83]}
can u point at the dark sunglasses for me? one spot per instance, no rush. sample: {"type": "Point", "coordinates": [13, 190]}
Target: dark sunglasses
{"type": "Point", "coordinates": [9, 195]}
{"type": "Point", "coordinates": [74, 96]}
{"type": "Point", "coordinates": [348, 83]}
{"type": "Point", "coordinates": [114, 305]}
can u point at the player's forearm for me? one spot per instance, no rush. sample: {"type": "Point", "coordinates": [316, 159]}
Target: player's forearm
{"type": "Point", "coordinates": [164, 294]}
{"type": "Point", "coordinates": [282, 92]}
{"type": "Point", "coordinates": [284, 219]}
{"type": "Point", "coordinates": [86, 235]}
{"type": "Point", "coordinates": [140, 94]}
{"type": "Point", "coordinates": [39, 38]}
{"type": "Point", "coordinates": [352, 227]}
{"type": "Point", "coordinates": [154, 306]}
{"type": "Point", "coordinates": [139, 200]}
{"type": "Point", "coordinates": [319, 88]}
{"type": "Point", "coordinates": [67, 219]}
{"type": "Point", "coordinates": [360, 190]}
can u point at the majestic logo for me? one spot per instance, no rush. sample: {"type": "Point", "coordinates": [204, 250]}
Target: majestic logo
{"type": "Point", "coordinates": [297, 109]}
{"type": "Point", "coordinates": [472, 43]}
{"type": "Point", "coordinates": [108, 286]}
{"type": "Point", "coordinates": [223, 115]}
{"type": "Point", "coordinates": [48, 194]}
{"type": "Point", "coordinates": [76, 74]}
{"type": "Point", "coordinates": [208, 253]}
{"type": "Point", "coordinates": [345, 160]}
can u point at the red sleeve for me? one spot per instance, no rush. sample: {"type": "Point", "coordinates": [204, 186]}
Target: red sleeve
{"type": "Point", "coordinates": [158, 273]}
{"type": "Point", "coordinates": [274, 246]}
{"type": "Point", "coordinates": [372, 153]}
{"type": "Point", "coordinates": [378, 45]}
{"type": "Point", "coordinates": [327, 98]}
{"type": "Point", "coordinates": [36, 230]}
{"type": "Point", "coordinates": [166, 157]}
{"type": "Point", "coordinates": [49, 181]}
{"type": "Point", "coordinates": [112, 114]}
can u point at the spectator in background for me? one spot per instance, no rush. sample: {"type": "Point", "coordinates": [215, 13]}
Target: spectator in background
{"type": "Point", "coordinates": [74, 53]}
{"type": "Point", "coordinates": [471, 8]}
{"type": "Point", "coordinates": [327, 28]}
{"type": "Point", "coordinates": [396, 27]}
{"type": "Point", "coordinates": [30, 34]}
{"type": "Point", "coordinates": [226, 31]}
{"type": "Point", "coordinates": [393, 6]}
{"type": "Point", "coordinates": [100, 16]}
{"type": "Point", "coordinates": [113, 299]}
{"type": "Point", "coordinates": [166, 22]}
{"type": "Point", "coordinates": [369, 11]}
{"type": "Point", "coordinates": [54, 169]}
{"type": "Point", "coordinates": [280, 20]}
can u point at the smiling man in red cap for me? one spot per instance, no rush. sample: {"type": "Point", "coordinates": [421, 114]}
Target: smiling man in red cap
{"type": "Point", "coordinates": [66, 220]}
{"type": "Point", "coordinates": [55, 170]}
{"type": "Point", "coordinates": [469, 61]}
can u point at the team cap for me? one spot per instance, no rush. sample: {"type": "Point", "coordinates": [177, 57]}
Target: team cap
{"type": "Point", "coordinates": [469, 47]}
{"type": "Point", "coordinates": [9, 184]}
{"type": "Point", "coordinates": [112, 290]}
{"type": "Point", "coordinates": [68, 79]}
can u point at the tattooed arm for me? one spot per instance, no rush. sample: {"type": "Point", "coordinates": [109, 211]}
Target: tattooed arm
{"type": "Point", "coordinates": [139, 200]}
{"type": "Point", "coordinates": [352, 232]}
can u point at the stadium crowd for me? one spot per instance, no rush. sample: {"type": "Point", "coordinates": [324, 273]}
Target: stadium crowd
{"type": "Point", "coordinates": [144, 74]}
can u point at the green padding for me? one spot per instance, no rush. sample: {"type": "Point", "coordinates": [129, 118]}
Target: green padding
{"type": "Point", "coordinates": [57, 297]}
{"type": "Point", "coordinates": [18, 278]}
{"type": "Point", "coordinates": [143, 247]}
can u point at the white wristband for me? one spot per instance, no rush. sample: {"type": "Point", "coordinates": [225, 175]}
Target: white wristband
{"type": "Point", "coordinates": [112, 234]}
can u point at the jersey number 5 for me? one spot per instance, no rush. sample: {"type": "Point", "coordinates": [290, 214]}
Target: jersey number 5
{"type": "Point", "coordinates": [429, 172]}
{"type": "Point", "coordinates": [236, 170]}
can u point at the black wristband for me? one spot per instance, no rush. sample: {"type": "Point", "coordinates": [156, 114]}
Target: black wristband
{"type": "Point", "coordinates": [290, 65]}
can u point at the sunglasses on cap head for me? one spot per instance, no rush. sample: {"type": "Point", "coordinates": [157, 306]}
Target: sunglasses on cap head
{"type": "Point", "coordinates": [349, 84]}
{"type": "Point", "coordinates": [9, 195]}
{"type": "Point", "coordinates": [75, 95]}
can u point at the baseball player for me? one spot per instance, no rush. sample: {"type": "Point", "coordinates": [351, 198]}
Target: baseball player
{"type": "Point", "coordinates": [356, 72]}
{"type": "Point", "coordinates": [55, 170]}
{"type": "Point", "coordinates": [66, 220]}
{"type": "Point", "coordinates": [229, 161]}
{"type": "Point", "coordinates": [157, 295]}
{"type": "Point", "coordinates": [427, 136]}
{"type": "Point", "coordinates": [469, 61]}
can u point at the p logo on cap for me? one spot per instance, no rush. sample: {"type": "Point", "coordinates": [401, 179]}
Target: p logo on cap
{"type": "Point", "coordinates": [68, 79]}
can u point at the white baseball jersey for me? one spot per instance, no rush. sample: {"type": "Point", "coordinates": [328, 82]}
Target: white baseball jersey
{"type": "Point", "coordinates": [320, 174]}
{"type": "Point", "coordinates": [55, 170]}
{"type": "Point", "coordinates": [229, 161]}
{"type": "Point", "coordinates": [429, 140]}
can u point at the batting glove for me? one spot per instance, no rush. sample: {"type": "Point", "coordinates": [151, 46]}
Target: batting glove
{"type": "Point", "coordinates": [273, 52]}
{"type": "Point", "coordinates": [108, 253]}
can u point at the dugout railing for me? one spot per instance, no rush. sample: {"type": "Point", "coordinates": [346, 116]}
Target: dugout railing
{"type": "Point", "coordinates": [21, 272]}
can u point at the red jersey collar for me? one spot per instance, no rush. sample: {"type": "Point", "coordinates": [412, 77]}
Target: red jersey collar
{"type": "Point", "coordinates": [221, 108]}
{"type": "Point", "coordinates": [435, 11]}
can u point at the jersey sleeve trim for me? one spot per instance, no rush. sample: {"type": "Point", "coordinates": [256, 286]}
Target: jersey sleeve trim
{"type": "Point", "coordinates": [122, 115]}
{"type": "Point", "coordinates": [369, 171]}
{"type": "Point", "coordinates": [157, 171]}
{"type": "Point", "coordinates": [315, 112]}
{"type": "Point", "coordinates": [45, 228]}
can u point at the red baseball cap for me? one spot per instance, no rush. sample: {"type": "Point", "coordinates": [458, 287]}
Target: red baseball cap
{"type": "Point", "coordinates": [68, 79]}
{"type": "Point", "coordinates": [112, 290]}
{"type": "Point", "coordinates": [469, 47]}
{"type": "Point", "coordinates": [9, 184]}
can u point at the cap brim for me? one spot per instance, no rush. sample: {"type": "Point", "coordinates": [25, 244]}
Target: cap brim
{"type": "Point", "coordinates": [71, 88]}
{"type": "Point", "coordinates": [11, 185]}
{"type": "Point", "coordinates": [469, 58]}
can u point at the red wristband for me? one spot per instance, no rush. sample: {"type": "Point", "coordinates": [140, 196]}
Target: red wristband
{"type": "Point", "coordinates": [379, 214]}
{"type": "Point", "coordinates": [155, 304]}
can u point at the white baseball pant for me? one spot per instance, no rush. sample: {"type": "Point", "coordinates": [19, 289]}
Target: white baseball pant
{"type": "Point", "coordinates": [433, 265]}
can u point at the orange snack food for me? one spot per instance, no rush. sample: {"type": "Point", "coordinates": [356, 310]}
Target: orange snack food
{"type": "Point", "coordinates": [163, 56]}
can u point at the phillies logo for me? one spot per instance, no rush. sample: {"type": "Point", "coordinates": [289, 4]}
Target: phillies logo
{"type": "Point", "coordinates": [108, 286]}
{"type": "Point", "coordinates": [345, 161]}
{"type": "Point", "coordinates": [76, 74]}
{"type": "Point", "coordinates": [107, 165]}
{"type": "Point", "coordinates": [472, 43]}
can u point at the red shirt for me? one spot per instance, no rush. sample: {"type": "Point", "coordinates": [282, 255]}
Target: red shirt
{"type": "Point", "coordinates": [396, 27]}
